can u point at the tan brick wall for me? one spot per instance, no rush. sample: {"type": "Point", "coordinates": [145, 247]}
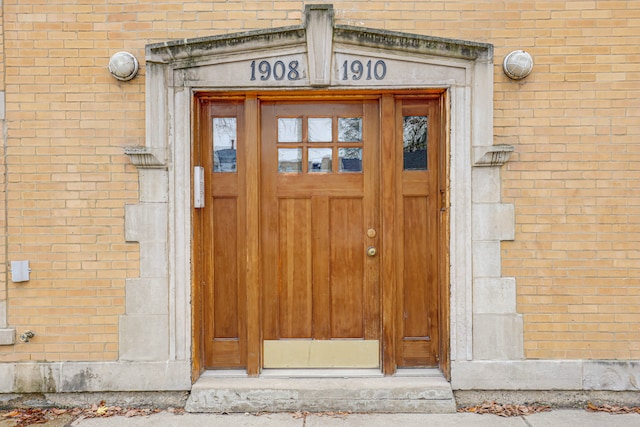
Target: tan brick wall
{"type": "Point", "coordinates": [3, 223]}
{"type": "Point", "coordinates": [574, 179]}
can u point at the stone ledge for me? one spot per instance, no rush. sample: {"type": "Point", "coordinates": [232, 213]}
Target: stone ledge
{"type": "Point", "coordinates": [145, 158]}
{"type": "Point", "coordinates": [493, 155]}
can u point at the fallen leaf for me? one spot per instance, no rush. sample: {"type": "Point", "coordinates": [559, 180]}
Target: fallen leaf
{"type": "Point", "coordinates": [612, 409]}
{"type": "Point", "coordinates": [505, 410]}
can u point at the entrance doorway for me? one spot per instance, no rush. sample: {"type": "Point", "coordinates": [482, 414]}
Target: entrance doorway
{"type": "Point", "coordinates": [321, 239]}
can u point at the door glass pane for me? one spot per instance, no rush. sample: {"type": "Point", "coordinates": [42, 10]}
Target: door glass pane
{"type": "Point", "coordinates": [320, 130]}
{"type": "Point", "coordinates": [224, 144]}
{"type": "Point", "coordinates": [414, 140]}
{"type": "Point", "coordinates": [320, 159]}
{"type": "Point", "coordinates": [290, 129]}
{"type": "Point", "coordinates": [350, 129]}
{"type": "Point", "coordinates": [350, 159]}
{"type": "Point", "coordinates": [289, 159]}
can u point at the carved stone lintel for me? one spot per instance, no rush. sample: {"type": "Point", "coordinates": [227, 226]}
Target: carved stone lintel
{"type": "Point", "coordinates": [493, 155]}
{"type": "Point", "coordinates": [144, 158]}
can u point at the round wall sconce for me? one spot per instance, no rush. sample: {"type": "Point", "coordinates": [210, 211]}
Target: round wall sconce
{"type": "Point", "coordinates": [517, 65]}
{"type": "Point", "coordinates": [123, 66]}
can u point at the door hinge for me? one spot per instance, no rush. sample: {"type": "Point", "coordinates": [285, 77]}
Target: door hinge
{"type": "Point", "coordinates": [443, 201]}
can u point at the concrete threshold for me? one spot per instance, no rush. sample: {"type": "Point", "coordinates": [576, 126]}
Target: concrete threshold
{"type": "Point", "coordinates": [414, 391]}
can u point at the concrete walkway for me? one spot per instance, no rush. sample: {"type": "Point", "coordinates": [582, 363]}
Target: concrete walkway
{"type": "Point", "coordinates": [558, 417]}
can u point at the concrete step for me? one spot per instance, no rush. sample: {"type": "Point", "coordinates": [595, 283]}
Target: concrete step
{"type": "Point", "coordinates": [272, 393]}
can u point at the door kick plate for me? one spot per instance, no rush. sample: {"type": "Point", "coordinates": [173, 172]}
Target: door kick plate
{"type": "Point", "coordinates": [321, 354]}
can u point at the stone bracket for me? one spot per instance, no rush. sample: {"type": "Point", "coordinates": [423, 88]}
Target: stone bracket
{"type": "Point", "coordinates": [493, 155]}
{"type": "Point", "coordinates": [145, 158]}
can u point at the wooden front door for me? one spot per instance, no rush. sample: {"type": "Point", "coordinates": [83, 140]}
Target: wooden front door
{"type": "Point", "coordinates": [322, 240]}
{"type": "Point", "coordinates": [319, 234]}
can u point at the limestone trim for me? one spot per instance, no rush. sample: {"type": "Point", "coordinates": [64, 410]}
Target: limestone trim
{"type": "Point", "coordinates": [546, 375]}
{"type": "Point", "coordinates": [68, 377]}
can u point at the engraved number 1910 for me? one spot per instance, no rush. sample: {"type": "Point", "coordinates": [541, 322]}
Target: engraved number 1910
{"type": "Point", "coordinates": [357, 70]}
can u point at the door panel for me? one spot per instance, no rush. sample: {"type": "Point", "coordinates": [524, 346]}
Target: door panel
{"type": "Point", "coordinates": [346, 247]}
{"type": "Point", "coordinates": [222, 225]}
{"type": "Point", "coordinates": [316, 165]}
{"type": "Point", "coordinates": [418, 208]}
{"type": "Point", "coordinates": [295, 313]}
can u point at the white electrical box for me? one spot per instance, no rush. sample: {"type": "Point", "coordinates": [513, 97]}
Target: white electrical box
{"type": "Point", "coordinates": [20, 271]}
{"type": "Point", "coordinates": [198, 187]}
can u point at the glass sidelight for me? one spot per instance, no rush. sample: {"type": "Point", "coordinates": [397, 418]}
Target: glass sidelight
{"type": "Point", "coordinates": [225, 137]}
{"type": "Point", "coordinates": [414, 141]}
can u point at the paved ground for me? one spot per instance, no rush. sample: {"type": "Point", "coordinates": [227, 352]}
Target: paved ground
{"type": "Point", "coordinates": [559, 418]}
{"type": "Point", "coordinates": [555, 418]}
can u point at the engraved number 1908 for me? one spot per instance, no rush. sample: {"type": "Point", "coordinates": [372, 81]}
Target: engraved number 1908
{"type": "Point", "coordinates": [278, 71]}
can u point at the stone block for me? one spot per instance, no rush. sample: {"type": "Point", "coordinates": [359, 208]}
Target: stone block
{"type": "Point", "coordinates": [494, 295]}
{"type": "Point", "coordinates": [611, 375]}
{"type": "Point", "coordinates": [147, 296]}
{"type": "Point", "coordinates": [394, 395]}
{"type": "Point", "coordinates": [7, 374]}
{"type": "Point", "coordinates": [486, 185]}
{"type": "Point", "coordinates": [154, 185]}
{"type": "Point", "coordinates": [125, 376]}
{"type": "Point", "coordinates": [497, 337]}
{"type": "Point", "coordinates": [517, 375]}
{"type": "Point", "coordinates": [487, 259]}
{"type": "Point", "coordinates": [7, 336]}
{"type": "Point", "coordinates": [36, 377]}
{"type": "Point", "coordinates": [3, 314]}
{"type": "Point", "coordinates": [2, 99]}
{"type": "Point", "coordinates": [144, 337]}
{"type": "Point", "coordinates": [154, 260]}
{"type": "Point", "coordinates": [145, 222]}
{"type": "Point", "coordinates": [493, 221]}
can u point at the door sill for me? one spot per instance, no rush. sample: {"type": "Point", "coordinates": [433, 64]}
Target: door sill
{"type": "Point", "coordinates": [321, 373]}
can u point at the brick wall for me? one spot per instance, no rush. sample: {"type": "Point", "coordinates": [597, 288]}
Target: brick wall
{"type": "Point", "coordinates": [574, 179]}
{"type": "Point", "coordinates": [3, 230]}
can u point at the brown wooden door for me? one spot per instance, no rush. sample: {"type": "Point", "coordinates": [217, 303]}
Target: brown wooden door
{"type": "Point", "coordinates": [319, 230]}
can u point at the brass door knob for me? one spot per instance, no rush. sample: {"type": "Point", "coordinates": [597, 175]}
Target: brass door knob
{"type": "Point", "coordinates": [372, 251]}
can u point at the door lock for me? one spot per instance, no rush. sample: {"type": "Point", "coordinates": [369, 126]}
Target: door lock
{"type": "Point", "coordinates": [371, 251]}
